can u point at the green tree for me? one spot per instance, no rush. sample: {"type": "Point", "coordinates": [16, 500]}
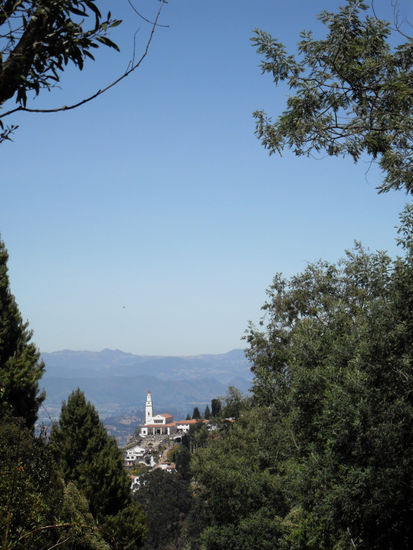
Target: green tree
{"type": "Point", "coordinates": [234, 403]}
{"type": "Point", "coordinates": [196, 436]}
{"type": "Point", "coordinates": [351, 93]}
{"type": "Point", "coordinates": [20, 363]}
{"type": "Point", "coordinates": [31, 492]}
{"type": "Point", "coordinates": [215, 407]}
{"type": "Point", "coordinates": [240, 501]}
{"type": "Point", "coordinates": [207, 413]}
{"type": "Point", "coordinates": [196, 415]}
{"type": "Point", "coordinates": [182, 459]}
{"type": "Point", "coordinates": [40, 38]}
{"type": "Point", "coordinates": [91, 459]}
{"type": "Point", "coordinates": [166, 499]}
{"type": "Point", "coordinates": [81, 529]}
{"type": "Point", "coordinates": [335, 363]}
{"type": "Point", "coordinates": [322, 456]}
{"type": "Point", "coordinates": [127, 528]}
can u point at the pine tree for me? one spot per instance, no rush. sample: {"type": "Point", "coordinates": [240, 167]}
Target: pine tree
{"type": "Point", "coordinates": [207, 413]}
{"type": "Point", "coordinates": [215, 407]}
{"type": "Point", "coordinates": [196, 415]}
{"type": "Point", "coordinates": [89, 457]}
{"type": "Point", "coordinates": [20, 363]}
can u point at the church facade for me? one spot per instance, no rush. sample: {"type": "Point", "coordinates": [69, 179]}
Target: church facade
{"type": "Point", "coordinates": [163, 424]}
{"type": "Point", "coordinates": [160, 424]}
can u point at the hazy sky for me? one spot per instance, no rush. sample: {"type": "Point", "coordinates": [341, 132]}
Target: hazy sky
{"type": "Point", "coordinates": [152, 220]}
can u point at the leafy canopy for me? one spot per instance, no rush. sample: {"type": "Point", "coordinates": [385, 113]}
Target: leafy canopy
{"type": "Point", "coordinates": [166, 500]}
{"type": "Point", "coordinates": [30, 490]}
{"type": "Point", "coordinates": [321, 456]}
{"type": "Point", "coordinates": [40, 37]}
{"type": "Point", "coordinates": [351, 93]}
{"type": "Point", "coordinates": [333, 359]}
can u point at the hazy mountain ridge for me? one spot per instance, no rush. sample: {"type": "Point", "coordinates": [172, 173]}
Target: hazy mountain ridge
{"type": "Point", "coordinates": [66, 364]}
{"type": "Point", "coordinates": [117, 382]}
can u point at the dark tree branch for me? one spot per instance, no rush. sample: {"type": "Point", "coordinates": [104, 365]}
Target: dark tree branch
{"type": "Point", "coordinates": [21, 58]}
{"type": "Point", "coordinates": [22, 108]}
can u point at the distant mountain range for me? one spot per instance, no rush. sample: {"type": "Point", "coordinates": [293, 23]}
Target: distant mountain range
{"type": "Point", "coordinates": [117, 382]}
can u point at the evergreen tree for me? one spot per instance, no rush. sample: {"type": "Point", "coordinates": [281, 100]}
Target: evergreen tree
{"type": "Point", "coordinates": [196, 415]}
{"type": "Point", "coordinates": [20, 363]}
{"type": "Point", "coordinates": [91, 459]}
{"type": "Point", "coordinates": [215, 407]}
{"type": "Point", "coordinates": [207, 413]}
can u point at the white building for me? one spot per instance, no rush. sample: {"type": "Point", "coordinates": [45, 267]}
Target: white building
{"type": "Point", "coordinates": [163, 424]}
{"type": "Point", "coordinates": [133, 453]}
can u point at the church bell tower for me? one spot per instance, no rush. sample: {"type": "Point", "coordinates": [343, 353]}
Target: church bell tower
{"type": "Point", "coordinates": [148, 408]}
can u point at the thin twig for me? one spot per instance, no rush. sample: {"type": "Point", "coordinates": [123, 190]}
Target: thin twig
{"type": "Point", "coordinates": [144, 18]}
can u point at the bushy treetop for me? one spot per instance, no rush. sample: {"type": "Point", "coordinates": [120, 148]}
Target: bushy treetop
{"type": "Point", "coordinates": [351, 93]}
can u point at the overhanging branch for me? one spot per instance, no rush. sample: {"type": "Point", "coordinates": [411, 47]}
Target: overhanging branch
{"type": "Point", "coordinates": [134, 66]}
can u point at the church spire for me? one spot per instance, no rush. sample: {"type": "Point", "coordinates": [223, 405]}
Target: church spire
{"type": "Point", "coordinates": [148, 408]}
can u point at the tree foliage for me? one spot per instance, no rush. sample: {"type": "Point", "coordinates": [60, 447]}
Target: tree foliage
{"type": "Point", "coordinates": [351, 93]}
{"type": "Point", "coordinates": [90, 459]}
{"type": "Point", "coordinates": [240, 500]}
{"type": "Point", "coordinates": [335, 362]}
{"type": "Point", "coordinates": [40, 38]}
{"type": "Point", "coordinates": [234, 403]}
{"type": "Point", "coordinates": [215, 407]}
{"type": "Point", "coordinates": [166, 499]}
{"type": "Point", "coordinates": [20, 363]}
{"type": "Point", "coordinates": [321, 456]}
{"type": "Point", "coordinates": [31, 493]}
{"type": "Point", "coordinates": [78, 528]}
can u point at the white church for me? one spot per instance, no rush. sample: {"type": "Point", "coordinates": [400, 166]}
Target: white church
{"type": "Point", "coordinates": [163, 424]}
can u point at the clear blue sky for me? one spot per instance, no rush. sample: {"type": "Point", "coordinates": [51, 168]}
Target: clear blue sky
{"type": "Point", "coordinates": [152, 220]}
